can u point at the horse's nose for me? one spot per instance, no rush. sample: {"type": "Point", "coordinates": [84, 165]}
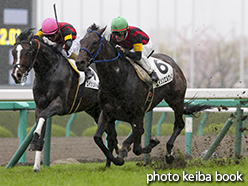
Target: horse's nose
{"type": "Point", "coordinates": [80, 65]}
{"type": "Point", "coordinates": [17, 77]}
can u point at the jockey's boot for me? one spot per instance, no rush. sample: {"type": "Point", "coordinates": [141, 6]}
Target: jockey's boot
{"type": "Point", "coordinates": [154, 76]}
{"type": "Point", "coordinates": [88, 73]}
{"type": "Point", "coordinates": [144, 62]}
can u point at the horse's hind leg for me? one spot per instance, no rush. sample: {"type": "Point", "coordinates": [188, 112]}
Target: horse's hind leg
{"type": "Point", "coordinates": [178, 127]}
{"type": "Point", "coordinates": [153, 143]}
{"type": "Point", "coordinates": [126, 146]}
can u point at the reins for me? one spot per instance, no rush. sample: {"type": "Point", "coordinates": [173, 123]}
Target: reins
{"type": "Point", "coordinates": [101, 46]}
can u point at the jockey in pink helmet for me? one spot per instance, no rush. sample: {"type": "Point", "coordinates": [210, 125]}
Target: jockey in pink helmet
{"type": "Point", "coordinates": [51, 29]}
{"type": "Point", "coordinates": [49, 26]}
{"type": "Point", "coordinates": [70, 39]}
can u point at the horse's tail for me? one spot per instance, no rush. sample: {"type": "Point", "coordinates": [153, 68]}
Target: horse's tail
{"type": "Point", "coordinates": [194, 109]}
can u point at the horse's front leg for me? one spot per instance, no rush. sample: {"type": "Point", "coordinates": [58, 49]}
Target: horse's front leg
{"type": "Point", "coordinates": [111, 139]}
{"type": "Point", "coordinates": [102, 126]}
{"type": "Point", "coordinates": [54, 108]}
{"type": "Point", "coordinates": [134, 137]}
{"type": "Point", "coordinates": [38, 141]}
{"type": "Point", "coordinates": [138, 130]}
{"type": "Point", "coordinates": [37, 161]}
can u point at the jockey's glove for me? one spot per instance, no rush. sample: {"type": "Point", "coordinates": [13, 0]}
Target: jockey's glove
{"type": "Point", "coordinates": [120, 49]}
{"type": "Point", "coordinates": [49, 42]}
{"type": "Point", "coordinates": [36, 37]}
{"type": "Point", "coordinates": [68, 44]}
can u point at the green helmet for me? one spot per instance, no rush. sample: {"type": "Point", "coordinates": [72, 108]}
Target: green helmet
{"type": "Point", "coordinates": [119, 24]}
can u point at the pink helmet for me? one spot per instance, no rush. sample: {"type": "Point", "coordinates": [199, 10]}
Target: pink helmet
{"type": "Point", "coordinates": [49, 26]}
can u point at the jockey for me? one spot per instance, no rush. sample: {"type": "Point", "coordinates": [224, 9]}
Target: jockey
{"type": "Point", "coordinates": [70, 40]}
{"type": "Point", "coordinates": [131, 41]}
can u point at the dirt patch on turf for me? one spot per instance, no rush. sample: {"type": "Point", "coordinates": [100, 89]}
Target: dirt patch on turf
{"type": "Point", "coordinates": [83, 149]}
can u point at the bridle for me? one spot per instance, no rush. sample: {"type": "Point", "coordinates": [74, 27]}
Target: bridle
{"type": "Point", "coordinates": [30, 63]}
{"type": "Point", "coordinates": [93, 60]}
{"type": "Point", "coordinates": [100, 47]}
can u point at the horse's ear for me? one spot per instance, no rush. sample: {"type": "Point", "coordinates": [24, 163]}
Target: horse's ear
{"type": "Point", "coordinates": [102, 30]}
{"type": "Point", "coordinates": [16, 37]}
{"type": "Point", "coordinates": [30, 36]}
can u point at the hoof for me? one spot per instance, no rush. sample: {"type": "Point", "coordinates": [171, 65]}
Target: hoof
{"type": "Point", "coordinates": [145, 150]}
{"type": "Point", "coordinates": [36, 170]}
{"type": "Point", "coordinates": [169, 159]}
{"type": "Point", "coordinates": [154, 142]}
{"type": "Point", "coordinates": [36, 144]}
{"type": "Point", "coordinates": [123, 153]}
{"type": "Point", "coordinates": [138, 152]}
{"type": "Point", "coordinates": [118, 161]}
{"type": "Point", "coordinates": [32, 147]}
{"type": "Point", "coordinates": [118, 149]}
{"type": "Point", "coordinates": [108, 163]}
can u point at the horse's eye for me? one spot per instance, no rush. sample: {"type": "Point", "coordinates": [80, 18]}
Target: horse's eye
{"type": "Point", "coordinates": [95, 42]}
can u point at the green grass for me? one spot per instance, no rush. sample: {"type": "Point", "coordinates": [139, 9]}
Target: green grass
{"type": "Point", "coordinates": [5, 133]}
{"type": "Point", "coordinates": [95, 174]}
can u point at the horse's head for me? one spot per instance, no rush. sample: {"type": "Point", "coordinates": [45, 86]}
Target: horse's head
{"type": "Point", "coordinates": [91, 47]}
{"type": "Point", "coordinates": [23, 55]}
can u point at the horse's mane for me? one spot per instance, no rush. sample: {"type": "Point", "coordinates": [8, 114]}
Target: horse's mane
{"type": "Point", "coordinates": [25, 34]}
{"type": "Point", "coordinates": [53, 48]}
{"type": "Point", "coordinates": [95, 27]}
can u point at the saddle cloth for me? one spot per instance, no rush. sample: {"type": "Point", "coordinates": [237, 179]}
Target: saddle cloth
{"type": "Point", "coordinates": [92, 83]}
{"type": "Point", "coordinates": [163, 70]}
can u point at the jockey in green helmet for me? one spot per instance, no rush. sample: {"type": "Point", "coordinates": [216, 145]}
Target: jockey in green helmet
{"type": "Point", "coordinates": [133, 42]}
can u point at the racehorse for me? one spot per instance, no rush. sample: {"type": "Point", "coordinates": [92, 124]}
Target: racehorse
{"type": "Point", "coordinates": [55, 86]}
{"type": "Point", "coordinates": [123, 95]}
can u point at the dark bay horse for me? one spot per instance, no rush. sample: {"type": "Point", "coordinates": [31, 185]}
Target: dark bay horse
{"type": "Point", "coordinates": [122, 96]}
{"type": "Point", "coordinates": [55, 86]}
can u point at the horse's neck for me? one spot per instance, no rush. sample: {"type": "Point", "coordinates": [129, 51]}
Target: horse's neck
{"type": "Point", "coordinates": [46, 63]}
{"type": "Point", "coordinates": [111, 74]}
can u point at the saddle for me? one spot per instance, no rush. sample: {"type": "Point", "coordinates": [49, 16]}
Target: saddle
{"type": "Point", "coordinates": [143, 75]}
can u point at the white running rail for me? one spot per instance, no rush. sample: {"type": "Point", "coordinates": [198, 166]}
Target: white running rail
{"type": "Point", "coordinates": [199, 93]}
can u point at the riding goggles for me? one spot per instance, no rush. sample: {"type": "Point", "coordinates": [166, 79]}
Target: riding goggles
{"type": "Point", "coordinates": [51, 35]}
{"type": "Point", "coordinates": [119, 34]}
